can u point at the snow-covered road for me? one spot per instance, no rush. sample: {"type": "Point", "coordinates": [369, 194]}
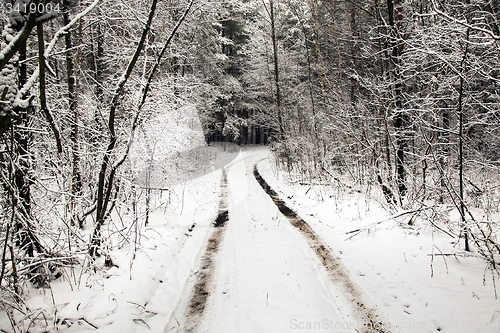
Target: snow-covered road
{"type": "Point", "coordinates": [266, 277]}
{"type": "Point", "coordinates": [218, 256]}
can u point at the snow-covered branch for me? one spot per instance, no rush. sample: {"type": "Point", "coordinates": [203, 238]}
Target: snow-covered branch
{"type": "Point", "coordinates": [8, 51]}
{"type": "Point", "coordinates": [20, 101]}
{"type": "Point", "coordinates": [464, 23]}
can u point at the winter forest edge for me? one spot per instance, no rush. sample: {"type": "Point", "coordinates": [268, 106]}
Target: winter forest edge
{"type": "Point", "coordinates": [110, 109]}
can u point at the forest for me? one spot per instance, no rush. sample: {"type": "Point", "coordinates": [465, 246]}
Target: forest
{"type": "Point", "coordinates": [398, 97]}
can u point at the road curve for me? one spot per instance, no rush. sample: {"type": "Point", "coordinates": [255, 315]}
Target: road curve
{"type": "Point", "coordinates": [270, 273]}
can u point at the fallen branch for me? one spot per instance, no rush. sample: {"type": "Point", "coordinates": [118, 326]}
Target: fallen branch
{"type": "Point", "coordinates": [358, 231]}
{"type": "Point", "coordinates": [89, 323]}
{"type": "Point", "coordinates": [63, 261]}
{"type": "Point", "coordinates": [442, 230]}
{"type": "Point", "coordinates": [458, 254]}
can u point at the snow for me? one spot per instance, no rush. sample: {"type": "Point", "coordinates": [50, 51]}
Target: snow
{"type": "Point", "coordinates": [266, 278]}
{"type": "Point", "coordinates": [138, 294]}
{"type": "Point", "coordinates": [9, 72]}
{"type": "Point", "coordinates": [392, 261]}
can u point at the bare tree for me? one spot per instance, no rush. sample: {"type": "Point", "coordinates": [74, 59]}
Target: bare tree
{"type": "Point", "coordinates": [105, 184]}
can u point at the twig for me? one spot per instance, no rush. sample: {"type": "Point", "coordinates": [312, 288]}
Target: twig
{"type": "Point", "coordinates": [464, 23]}
{"type": "Point", "coordinates": [40, 262]}
{"type": "Point", "coordinates": [432, 262]}
{"type": "Point", "coordinates": [442, 255]}
{"type": "Point", "coordinates": [441, 229]}
{"type": "Point", "coordinates": [4, 253]}
{"type": "Point", "coordinates": [142, 321]}
{"type": "Point", "coordinates": [357, 231]}
{"type": "Point", "coordinates": [89, 323]}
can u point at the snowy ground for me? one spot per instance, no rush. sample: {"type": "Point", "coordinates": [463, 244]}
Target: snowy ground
{"type": "Point", "coordinates": [141, 291]}
{"type": "Point", "coordinates": [266, 277]}
{"type": "Point", "coordinates": [393, 264]}
{"type": "Point", "coordinates": [138, 294]}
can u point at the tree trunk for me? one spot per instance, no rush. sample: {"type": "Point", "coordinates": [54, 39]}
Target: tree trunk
{"type": "Point", "coordinates": [279, 115]}
{"type": "Point", "coordinates": [43, 98]}
{"type": "Point", "coordinates": [395, 22]}
{"type": "Point", "coordinates": [494, 21]}
{"type": "Point", "coordinates": [354, 64]}
{"type": "Point", "coordinates": [461, 145]}
{"type": "Point", "coordinates": [444, 138]}
{"type": "Point", "coordinates": [24, 228]}
{"type": "Point", "coordinates": [76, 181]}
{"type": "Point", "coordinates": [99, 72]}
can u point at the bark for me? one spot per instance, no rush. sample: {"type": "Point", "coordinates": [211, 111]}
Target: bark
{"type": "Point", "coordinates": [460, 144]}
{"type": "Point", "coordinates": [99, 64]}
{"type": "Point", "coordinates": [445, 141]}
{"type": "Point", "coordinates": [494, 20]}
{"type": "Point", "coordinates": [495, 10]}
{"type": "Point", "coordinates": [337, 47]}
{"type": "Point", "coordinates": [26, 238]}
{"type": "Point", "coordinates": [98, 69]}
{"type": "Point", "coordinates": [383, 73]}
{"type": "Point", "coordinates": [353, 49]}
{"type": "Point", "coordinates": [5, 122]}
{"type": "Point", "coordinates": [76, 183]}
{"type": "Point", "coordinates": [18, 43]}
{"type": "Point", "coordinates": [25, 88]}
{"type": "Point", "coordinates": [279, 115]}
{"type": "Point", "coordinates": [43, 98]}
{"type": "Point", "coordinates": [395, 21]}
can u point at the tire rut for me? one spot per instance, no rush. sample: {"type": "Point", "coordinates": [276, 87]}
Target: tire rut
{"type": "Point", "coordinates": [336, 270]}
{"type": "Point", "coordinates": [204, 277]}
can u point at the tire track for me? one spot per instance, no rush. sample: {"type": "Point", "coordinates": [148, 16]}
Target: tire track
{"type": "Point", "coordinates": [203, 285]}
{"type": "Point", "coordinates": [337, 272]}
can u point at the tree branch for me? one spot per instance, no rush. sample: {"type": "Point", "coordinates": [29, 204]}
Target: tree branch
{"type": "Point", "coordinates": [464, 23]}
{"type": "Point", "coordinates": [145, 91]}
{"type": "Point", "coordinates": [21, 94]}
{"type": "Point", "coordinates": [43, 98]}
{"type": "Point", "coordinates": [102, 193]}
